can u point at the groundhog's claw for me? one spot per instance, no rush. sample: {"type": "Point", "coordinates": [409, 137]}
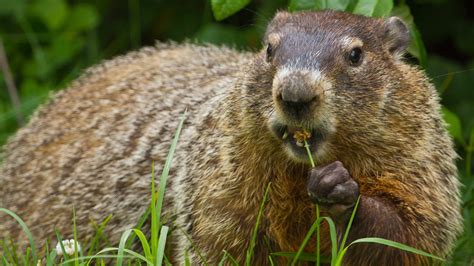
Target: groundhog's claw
{"type": "Point", "coordinates": [333, 188]}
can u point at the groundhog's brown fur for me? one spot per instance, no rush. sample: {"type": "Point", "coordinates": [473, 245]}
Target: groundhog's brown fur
{"type": "Point", "coordinates": [92, 146]}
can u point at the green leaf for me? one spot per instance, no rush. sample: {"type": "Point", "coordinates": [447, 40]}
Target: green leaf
{"type": "Point", "coordinates": [225, 8]}
{"type": "Point", "coordinates": [83, 17]}
{"type": "Point", "coordinates": [62, 49]}
{"type": "Point", "coordinates": [51, 12]}
{"type": "Point", "coordinates": [454, 124]}
{"type": "Point", "coordinates": [340, 5]}
{"type": "Point", "coordinates": [471, 140]}
{"type": "Point", "coordinates": [373, 8]}
{"type": "Point", "coordinates": [416, 48]}
{"type": "Point", "coordinates": [296, 5]}
{"type": "Point", "coordinates": [219, 33]}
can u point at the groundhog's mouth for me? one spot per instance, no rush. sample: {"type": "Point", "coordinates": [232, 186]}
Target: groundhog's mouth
{"type": "Point", "coordinates": [293, 138]}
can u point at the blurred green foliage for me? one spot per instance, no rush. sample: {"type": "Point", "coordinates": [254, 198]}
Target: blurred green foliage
{"type": "Point", "coordinates": [50, 42]}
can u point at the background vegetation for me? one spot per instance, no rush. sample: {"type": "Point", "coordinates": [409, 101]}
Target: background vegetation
{"type": "Point", "coordinates": [48, 43]}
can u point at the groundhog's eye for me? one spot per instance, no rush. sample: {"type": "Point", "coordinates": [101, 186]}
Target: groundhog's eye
{"type": "Point", "coordinates": [355, 56]}
{"type": "Point", "coordinates": [269, 52]}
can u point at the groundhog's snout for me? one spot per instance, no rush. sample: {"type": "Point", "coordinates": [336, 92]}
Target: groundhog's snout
{"type": "Point", "coordinates": [297, 93]}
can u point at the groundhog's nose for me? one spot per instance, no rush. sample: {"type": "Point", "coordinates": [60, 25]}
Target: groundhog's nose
{"type": "Point", "coordinates": [297, 103]}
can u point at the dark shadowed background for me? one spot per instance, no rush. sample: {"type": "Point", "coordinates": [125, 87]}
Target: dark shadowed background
{"type": "Point", "coordinates": [48, 43]}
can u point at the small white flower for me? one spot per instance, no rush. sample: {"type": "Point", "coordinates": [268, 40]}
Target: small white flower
{"type": "Point", "coordinates": [69, 247]}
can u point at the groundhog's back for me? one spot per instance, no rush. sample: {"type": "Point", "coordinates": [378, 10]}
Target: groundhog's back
{"type": "Point", "coordinates": [93, 144]}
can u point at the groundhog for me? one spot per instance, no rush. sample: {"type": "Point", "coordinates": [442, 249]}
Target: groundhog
{"type": "Point", "coordinates": [373, 123]}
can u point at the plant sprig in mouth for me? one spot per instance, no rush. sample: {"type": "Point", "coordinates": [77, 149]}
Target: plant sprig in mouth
{"type": "Point", "coordinates": [301, 136]}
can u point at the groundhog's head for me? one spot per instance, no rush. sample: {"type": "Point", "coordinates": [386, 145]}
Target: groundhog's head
{"type": "Point", "coordinates": [330, 73]}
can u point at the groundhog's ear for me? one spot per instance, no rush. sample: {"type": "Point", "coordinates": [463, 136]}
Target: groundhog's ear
{"type": "Point", "coordinates": [396, 35]}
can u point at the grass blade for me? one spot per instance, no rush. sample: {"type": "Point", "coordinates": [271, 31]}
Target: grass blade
{"type": "Point", "coordinates": [144, 242]}
{"type": "Point", "coordinates": [74, 227]}
{"type": "Point", "coordinates": [349, 224]}
{"type": "Point", "coordinates": [61, 245]}
{"type": "Point", "coordinates": [6, 252]}
{"type": "Point", "coordinates": [50, 258]}
{"type": "Point", "coordinates": [195, 248]}
{"type": "Point", "coordinates": [4, 261]}
{"type": "Point", "coordinates": [161, 245]}
{"type": "Point", "coordinates": [14, 251]}
{"type": "Point", "coordinates": [121, 247]}
{"type": "Point", "coordinates": [187, 262]}
{"type": "Point", "coordinates": [156, 208]}
{"type": "Point", "coordinates": [271, 260]}
{"type": "Point", "coordinates": [302, 257]}
{"type": "Point", "coordinates": [25, 229]}
{"type": "Point", "coordinates": [154, 218]}
{"type": "Point", "coordinates": [231, 258]}
{"type": "Point", "coordinates": [318, 238]}
{"type": "Point", "coordinates": [27, 256]}
{"type": "Point", "coordinates": [255, 229]}
{"type": "Point", "coordinates": [105, 250]}
{"type": "Point", "coordinates": [332, 233]}
{"type": "Point", "coordinates": [385, 242]}
{"type": "Point", "coordinates": [98, 234]}
{"type": "Point", "coordinates": [96, 257]}
{"type": "Point", "coordinates": [166, 168]}
{"type": "Point", "coordinates": [224, 258]}
{"type": "Point", "coordinates": [394, 244]}
{"type": "Point", "coordinates": [139, 225]}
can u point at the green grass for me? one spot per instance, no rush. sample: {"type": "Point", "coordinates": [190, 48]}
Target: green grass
{"type": "Point", "coordinates": [27, 231]}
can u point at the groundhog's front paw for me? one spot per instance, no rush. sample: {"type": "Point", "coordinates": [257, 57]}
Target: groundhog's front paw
{"type": "Point", "coordinates": [333, 188]}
